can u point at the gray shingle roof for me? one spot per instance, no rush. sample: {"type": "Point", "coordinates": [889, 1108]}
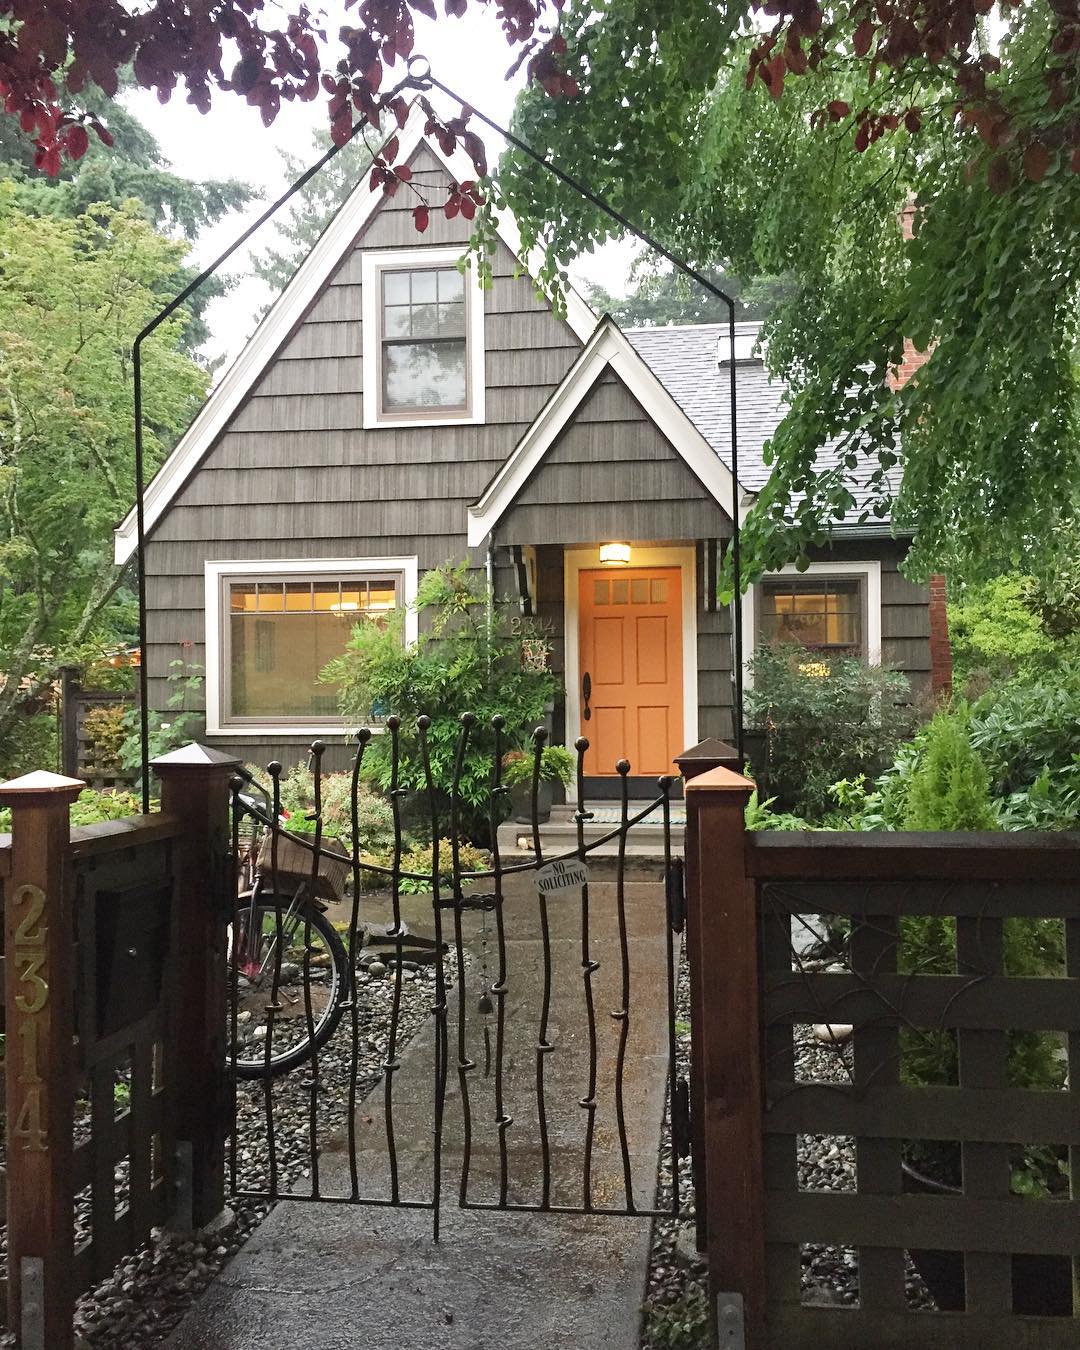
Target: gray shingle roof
{"type": "Point", "coordinates": [685, 360]}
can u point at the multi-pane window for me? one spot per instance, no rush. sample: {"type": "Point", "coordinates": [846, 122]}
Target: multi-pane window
{"type": "Point", "coordinates": [281, 632]}
{"type": "Point", "coordinates": [825, 614]}
{"type": "Point", "coordinates": [423, 345]}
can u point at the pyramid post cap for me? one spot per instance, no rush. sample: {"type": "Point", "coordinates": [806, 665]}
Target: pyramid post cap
{"type": "Point", "coordinates": [195, 756]}
{"type": "Point", "coordinates": [711, 753]}
{"type": "Point", "coordinates": [42, 784]}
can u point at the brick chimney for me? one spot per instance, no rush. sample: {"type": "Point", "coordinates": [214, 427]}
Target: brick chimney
{"type": "Point", "coordinates": [940, 647]}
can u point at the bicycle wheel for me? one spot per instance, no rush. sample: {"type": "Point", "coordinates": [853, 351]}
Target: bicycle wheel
{"type": "Point", "coordinates": [259, 924]}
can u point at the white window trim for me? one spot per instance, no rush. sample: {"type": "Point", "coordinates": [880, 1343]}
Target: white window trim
{"type": "Point", "coordinates": [213, 574]}
{"type": "Point", "coordinates": [577, 560]}
{"type": "Point", "coordinates": [869, 570]}
{"type": "Point", "coordinates": [371, 264]}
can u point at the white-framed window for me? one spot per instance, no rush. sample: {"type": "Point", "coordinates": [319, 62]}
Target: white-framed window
{"type": "Point", "coordinates": [823, 613]}
{"type": "Point", "coordinates": [832, 607]}
{"type": "Point", "coordinates": [422, 338]}
{"type": "Point", "coordinates": [273, 625]}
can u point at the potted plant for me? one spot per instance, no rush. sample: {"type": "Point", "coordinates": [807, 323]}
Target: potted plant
{"type": "Point", "coordinates": [557, 765]}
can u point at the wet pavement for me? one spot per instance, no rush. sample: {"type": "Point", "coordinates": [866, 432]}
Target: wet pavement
{"type": "Point", "coordinates": [340, 1275]}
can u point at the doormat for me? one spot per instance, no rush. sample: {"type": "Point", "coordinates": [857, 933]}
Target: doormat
{"type": "Point", "coordinates": [612, 815]}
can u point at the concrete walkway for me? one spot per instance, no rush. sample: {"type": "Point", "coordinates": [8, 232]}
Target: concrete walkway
{"type": "Point", "coordinates": [338, 1276]}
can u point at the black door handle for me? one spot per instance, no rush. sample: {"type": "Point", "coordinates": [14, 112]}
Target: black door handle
{"type": "Point", "coordinates": [586, 693]}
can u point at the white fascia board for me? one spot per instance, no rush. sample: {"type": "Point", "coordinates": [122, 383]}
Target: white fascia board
{"type": "Point", "coordinates": [608, 346]}
{"type": "Point", "coordinates": [284, 315]}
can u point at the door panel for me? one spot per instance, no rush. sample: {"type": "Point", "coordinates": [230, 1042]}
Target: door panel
{"type": "Point", "coordinates": [609, 666]}
{"type": "Point", "coordinates": [652, 649]}
{"type": "Point", "coordinates": [630, 644]}
{"type": "Point", "coordinates": [654, 739]}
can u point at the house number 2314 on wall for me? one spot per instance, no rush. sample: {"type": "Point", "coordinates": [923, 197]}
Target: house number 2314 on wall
{"type": "Point", "coordinates": [30, 958]}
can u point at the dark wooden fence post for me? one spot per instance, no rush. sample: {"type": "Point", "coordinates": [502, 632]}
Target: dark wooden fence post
{"type": "Point", "coordinates": [69, 719]}
{"type": "Point", "coordinates": [195, 786]}
{"type": "Point", "coordinates": [722, 940]}
{"type": "Point", "coordinates": [39, 1065]}
{"type": "Point", "coordinates": [698, 759]}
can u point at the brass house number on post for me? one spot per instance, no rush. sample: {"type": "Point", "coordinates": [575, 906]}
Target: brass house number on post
{"type": "Point", "coordinates": [32, 977]}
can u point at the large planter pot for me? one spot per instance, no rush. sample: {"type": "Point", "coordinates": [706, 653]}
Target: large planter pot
{"type": "Point", "coordinates": [1042, 1285]}
{"type": "Point", "coordinates": [521, 802]}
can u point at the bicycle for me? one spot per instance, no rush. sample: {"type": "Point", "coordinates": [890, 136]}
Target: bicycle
{"type": "Point", "coordinates": [282, 949]}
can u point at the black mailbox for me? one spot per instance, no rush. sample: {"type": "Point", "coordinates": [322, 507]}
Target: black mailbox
{"type": "Point", "coordinates": [132, 929]}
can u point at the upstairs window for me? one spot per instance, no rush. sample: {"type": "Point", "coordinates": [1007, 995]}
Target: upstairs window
{"type": "Point", "coordinates": [824, 614]}
{"type": "Point", "coordinates": [423, 347]}
{"type": "Point", "coordinates": [422, 338]}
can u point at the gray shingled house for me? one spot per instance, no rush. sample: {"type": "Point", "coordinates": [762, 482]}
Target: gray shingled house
{"type": "Point", "coordinates": [387, 416]}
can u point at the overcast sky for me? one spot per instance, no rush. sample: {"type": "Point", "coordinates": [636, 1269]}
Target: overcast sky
{"type": "Point", "coordinates": [470, 55]}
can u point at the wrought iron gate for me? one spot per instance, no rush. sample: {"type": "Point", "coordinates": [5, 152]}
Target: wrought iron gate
{"type": "Point", "coordinates": [518, 957]}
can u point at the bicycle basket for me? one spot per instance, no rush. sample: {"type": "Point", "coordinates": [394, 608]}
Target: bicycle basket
{"type": "Point", "coordinates": [294, 864]}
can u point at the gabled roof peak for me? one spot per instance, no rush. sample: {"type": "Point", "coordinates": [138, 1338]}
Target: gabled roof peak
{"type": "Point", "coordinates": [289, 309]}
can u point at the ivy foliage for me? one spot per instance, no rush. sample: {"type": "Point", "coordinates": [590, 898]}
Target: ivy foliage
{"type": "Point", "coordinates": [987, 285]}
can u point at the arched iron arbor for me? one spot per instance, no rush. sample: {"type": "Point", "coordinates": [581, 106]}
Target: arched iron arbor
{"type": "Point", "coordinates": [419, 79]}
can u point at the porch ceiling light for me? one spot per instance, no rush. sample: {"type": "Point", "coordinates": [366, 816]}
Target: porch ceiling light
{"type": "Point", "coordinates": [615, 555]}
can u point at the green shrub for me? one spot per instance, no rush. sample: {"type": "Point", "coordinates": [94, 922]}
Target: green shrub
{"type": "Point", "coordinates": [375, 818]}
{"type": "Point", "coordinates": [680, 1324]}
{"type": "Point", "coordinates": [823, 720]}
{"type": "Point", "coordinates": [997, 633]}
{"type": "Point", "coordinates": [183, 721]}
{"type": "Point", "coordinates": [759, 815]}
{"type": "Point", "coordinates": [557, 765]}
{"type": "Point", "coordinates": [1028, 726]}
{"type": "Point", "coordinates": [91, 807]}
{"type": "Point", "coordinates": [105, 726]}
{"type": "Point", "coordinates": [418, 859]}
{"type": "Point", "coordinates": [464, 662]}
{"type": "Point", "coordinates": [949, 788]}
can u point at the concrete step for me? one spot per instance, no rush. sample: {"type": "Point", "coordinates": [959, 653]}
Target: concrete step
{"type": "Point", "coordinates": [559, 834]}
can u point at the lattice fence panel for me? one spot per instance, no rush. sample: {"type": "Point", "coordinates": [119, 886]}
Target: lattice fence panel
{"type": "Point", "coordinates": [904, 1024]}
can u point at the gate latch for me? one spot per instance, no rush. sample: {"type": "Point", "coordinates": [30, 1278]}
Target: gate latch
{"type": "Point", "coordinates": [676, 894]}
{"type": "Point", "coordinates": [680, 1119]}
{"type": "Point", "coordinates": [730, 1322]}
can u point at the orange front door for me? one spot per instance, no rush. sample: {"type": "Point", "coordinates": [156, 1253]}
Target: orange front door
{"type": "Point", "coordinates": [630, 645]}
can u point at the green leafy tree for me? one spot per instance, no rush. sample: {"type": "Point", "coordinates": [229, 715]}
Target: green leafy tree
{"type": "Point", "coordinates": [132, 167]}
{"type": "Point", "coordinates": [464, 662]}
{"type": "Point", "coordinates": [809, 180]}
{"type": "Point", "coordinates": [997, 631]}
{"type": "Point", "coordinates": [73, 294]}
{"type": "Point", "coordinates": [664, 296]}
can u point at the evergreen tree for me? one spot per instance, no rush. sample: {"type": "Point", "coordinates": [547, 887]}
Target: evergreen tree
{"type": "Point", "coordinates": [313, 207]}
{"type": "Point", "coordinates": [950, 788]}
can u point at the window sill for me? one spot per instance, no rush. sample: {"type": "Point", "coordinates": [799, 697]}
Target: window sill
{"type": "Point", "coordinates": [288, 732]}
{"type": "Point", "coordinates": [390, 423]}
